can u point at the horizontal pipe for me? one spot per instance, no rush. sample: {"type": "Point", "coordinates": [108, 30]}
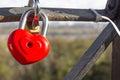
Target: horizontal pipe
{"type": "Point", "coordinates": [54, 14]}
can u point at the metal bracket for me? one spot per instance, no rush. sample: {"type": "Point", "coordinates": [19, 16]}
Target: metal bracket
{"type": "Point", "coordinates": [112, 8]}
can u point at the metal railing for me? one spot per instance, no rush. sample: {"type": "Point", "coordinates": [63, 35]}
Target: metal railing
{"type": "Point", "coordinates": [107, 36]}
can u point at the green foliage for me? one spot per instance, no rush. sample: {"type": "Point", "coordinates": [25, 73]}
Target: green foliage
{"type": "Point", "coordinates": [64, 53]}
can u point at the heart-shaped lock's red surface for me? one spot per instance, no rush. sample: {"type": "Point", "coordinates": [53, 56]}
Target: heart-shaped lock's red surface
{"type": "Point", "coordinates": [28, 48]}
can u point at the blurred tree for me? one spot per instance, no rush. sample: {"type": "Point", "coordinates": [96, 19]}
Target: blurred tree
{"type": "Point", "coordinates": [63, 55]}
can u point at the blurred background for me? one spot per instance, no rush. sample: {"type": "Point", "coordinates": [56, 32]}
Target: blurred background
{"type": "Point", "coordinates": [69, 40]}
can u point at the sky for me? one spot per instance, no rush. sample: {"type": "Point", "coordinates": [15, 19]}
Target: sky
{"type": "Point", "coordinates": [97, 4]}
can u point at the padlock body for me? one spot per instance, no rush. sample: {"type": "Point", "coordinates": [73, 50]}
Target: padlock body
{"type": "Point", "coordinates": [28, 48]}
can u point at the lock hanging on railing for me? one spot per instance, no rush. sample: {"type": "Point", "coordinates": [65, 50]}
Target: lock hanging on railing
{"type": "Point", "coordinates": [33, 23]}
{"type": "Point", "coordinates": [26, 47]}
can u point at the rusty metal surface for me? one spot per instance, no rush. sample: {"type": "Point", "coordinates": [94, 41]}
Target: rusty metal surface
{"type": "Point", "coordinates": [54, 14]}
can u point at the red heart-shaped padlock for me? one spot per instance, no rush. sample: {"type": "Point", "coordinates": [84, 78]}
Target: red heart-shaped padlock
{"type": "Point", "coordinates": [27, 48]}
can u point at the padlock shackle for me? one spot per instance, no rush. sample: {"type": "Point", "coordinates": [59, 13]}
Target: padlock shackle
{"type": "Point", "coordinates": [45, 23]}
{"type": "Point", "coordinates": [24, 16]}
{"type": "Point", "coordinates": [36, 6]}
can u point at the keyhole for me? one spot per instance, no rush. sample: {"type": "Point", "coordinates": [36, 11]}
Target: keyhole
{"type": "Point", "coordinates": [30, 45]}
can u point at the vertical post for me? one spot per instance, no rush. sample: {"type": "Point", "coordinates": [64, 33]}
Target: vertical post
{"type": "Point", "coordinates": [30, 3]}
{"type": "Point", "coordinates": [116, 59]}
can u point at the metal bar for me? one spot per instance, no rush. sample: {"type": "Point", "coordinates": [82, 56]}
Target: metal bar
{"type": "Point", "coordinates": [54, 14]}
{"type": "Point", "coordinates": [116, 59]}
{"type": "Point", "coordinates": [112, 8]}
{"type": "Point", "coordinates": [93, 53]}
{"type": "Point", "coordinates": [30, 3]}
